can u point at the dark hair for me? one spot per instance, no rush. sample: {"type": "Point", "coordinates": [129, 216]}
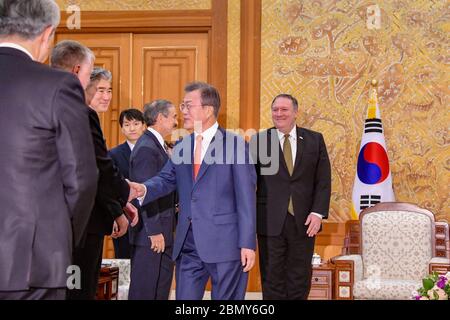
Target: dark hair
{"type": "Point", "coordinates": [287, 96]}
{"type": "Point", "coordinates": [131, 114]}
{"type": "Point", "coordinates": [209, 95]}
{"type": "Point", "coordinates": [68, 53]}
{"type": "Point", "coordinates": [154, 108]}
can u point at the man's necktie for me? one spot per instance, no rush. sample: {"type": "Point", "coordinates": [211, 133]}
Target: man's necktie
{"type": "Point", "coordinates": [197, 154]}
{"type": "Point", "coordinates": [287, 152]}
{"type": "Point", "coordinates": [166, 147]}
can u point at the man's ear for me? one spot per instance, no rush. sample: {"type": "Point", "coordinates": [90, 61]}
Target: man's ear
{"type": "Point", "coordinates": [76, 69]}
{"type": "Point", "coordinates": [211, 111]}
{"type": "Point", "coordinates": [45, 42]}
{"type": "Point", "coordinates": [158, 117]}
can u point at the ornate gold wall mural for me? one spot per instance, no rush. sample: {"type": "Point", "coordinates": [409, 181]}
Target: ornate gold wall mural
{"type": "Point", "coordinates": [325, 52]}
{"type": "Point", "coordinates": [109, 5]}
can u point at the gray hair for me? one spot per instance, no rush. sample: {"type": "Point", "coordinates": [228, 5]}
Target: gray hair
{"type": "Point", "coordinates": [27, 19]}
{"type": "Point", "coordinates": [99, 74]}
{"type": "Point", "coordinates": [154, 108]}
{"type": "Point", "coordinates": [209, 95]}
{"type": "Point", "coordinates": [68, 53]}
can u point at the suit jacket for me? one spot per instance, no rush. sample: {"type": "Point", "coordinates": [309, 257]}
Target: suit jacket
{"type": "Point", "coordinates": [47, 170]}
{"type": "Point", "coordinates": [309, 185]}
{"type": "Point", "coordinates": [220, 202]}
{"type": "Point", "coordinates": [121, 157]}
{"type": "Point", "coordinates": [147, 159]}
{"type": "Point", "coordinates": [112, 190]}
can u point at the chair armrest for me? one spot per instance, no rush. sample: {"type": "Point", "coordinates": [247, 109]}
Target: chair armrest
{"type": "Point", "coordinates": [440, 265]}
{"type": "Point", "coordinates": [349, 268]}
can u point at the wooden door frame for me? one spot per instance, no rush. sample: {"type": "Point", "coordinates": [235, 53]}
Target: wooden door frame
{"type": "Point", "coordinates": [213, 22]}
{"type": "Point", "coordinates": [250, 93]}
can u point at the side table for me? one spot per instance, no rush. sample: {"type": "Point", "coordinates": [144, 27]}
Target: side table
{"type": "Point", "coordinates": [322, 282]}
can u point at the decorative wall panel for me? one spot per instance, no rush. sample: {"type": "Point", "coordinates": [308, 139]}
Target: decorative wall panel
{"type": "Point", "coordinates": [325, 52]}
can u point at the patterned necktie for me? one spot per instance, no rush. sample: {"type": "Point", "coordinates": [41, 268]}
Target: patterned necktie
{"type": "Point", "coordinates": [166, 147]}
{"type": "Point", "coordinates": [287, 152]}
{"type": "Point", "coordinates": [197, 154]}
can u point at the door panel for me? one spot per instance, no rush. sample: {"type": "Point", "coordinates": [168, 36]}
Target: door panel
{"type": "Point", "coordinates": [164, 63]}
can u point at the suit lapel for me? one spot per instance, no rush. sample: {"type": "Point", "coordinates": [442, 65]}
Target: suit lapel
{"type": "Point", "coordinates": [126, 151]}
{"type": "Point", "coordinates": [300, 147]}
{"type": "Point", "coordinates": [155, 140]}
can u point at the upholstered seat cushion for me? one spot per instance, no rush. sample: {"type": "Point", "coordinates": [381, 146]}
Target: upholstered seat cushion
{"type": "Point", "coordinates": [381, 289]}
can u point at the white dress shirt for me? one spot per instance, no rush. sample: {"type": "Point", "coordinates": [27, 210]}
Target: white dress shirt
{"type": "Point", "coordinates": [293, 140]}
{"type": "Point", "coordinates": [207, 135]}
{"type": "Point", "coordinates": [131, 145]}
{"type": "Point", "coordinates": [158, 136]}
{"type": "Point", "coordinates": [16, 46]}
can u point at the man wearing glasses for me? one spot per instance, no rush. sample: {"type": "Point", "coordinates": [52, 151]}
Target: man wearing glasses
{"type": "Point", "coordinates": [216, 231]}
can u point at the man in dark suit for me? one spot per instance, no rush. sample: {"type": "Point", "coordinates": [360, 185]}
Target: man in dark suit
{"type": "Point", "coordinates": [292, 200]}
{"type": "Point", "coordinates": [216, 230]}
{"type": "Point", "coordinates": [152, 238]}
{"type": "Point", "coordinates": [112, 195]}
{"type": "Point", "coordinates": [47, 162]}
{"type": "Point", "coordinates": [112, 189]}
{"type": "Point", "coordinates": [132, 125]}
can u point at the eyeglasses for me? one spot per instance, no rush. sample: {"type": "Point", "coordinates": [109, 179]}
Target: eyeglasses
{"type": "Point", "coordinates": [188, 106]}
{"type": "Point", "coordinates": [102, 91]}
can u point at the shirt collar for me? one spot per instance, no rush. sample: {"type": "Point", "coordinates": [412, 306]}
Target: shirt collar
{"type": "Point", "coordinates": [292, 134]}
{"type": "Point", "coordinates": [16, 46]}
{"type": "Point", "coordinates": [157, 135]}
{"type": "Point", "coordinates": [209, 133]}
{"type": "Point", "coordinates": [131, 145]}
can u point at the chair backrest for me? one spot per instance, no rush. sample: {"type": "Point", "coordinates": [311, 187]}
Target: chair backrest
{"type": "Point", "coordinates": [124, 269]}
{"type": "Point", "coordinates": [397, 241]}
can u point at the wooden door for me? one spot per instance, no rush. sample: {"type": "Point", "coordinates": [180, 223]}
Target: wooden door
{"type": "Point", "coordinates": [112, 52]}
{"type": "Point", "coordinates": [164, 63]}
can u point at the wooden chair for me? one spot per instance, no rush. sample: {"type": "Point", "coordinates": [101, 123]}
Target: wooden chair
{"type": "Point", "coordinates": [388, 251]}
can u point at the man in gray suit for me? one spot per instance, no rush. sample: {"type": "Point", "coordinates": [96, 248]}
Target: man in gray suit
{"type": "Point", "coordinates": [152, 238]}
{"type": "Point", "coordinates": [47, 162]}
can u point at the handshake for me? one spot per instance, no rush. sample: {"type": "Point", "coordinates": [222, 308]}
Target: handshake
{"type": "Point", "coordinates": [130, 211]}
{"type": "Point", "coordinates": [137, 190]}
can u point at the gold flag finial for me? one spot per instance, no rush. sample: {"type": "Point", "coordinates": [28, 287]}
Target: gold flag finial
{"type": "Point", "coordinates": [373, 100]}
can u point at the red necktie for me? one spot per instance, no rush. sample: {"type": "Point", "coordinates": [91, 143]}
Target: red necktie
{"type": "Point", "coordinates": [197, 154]}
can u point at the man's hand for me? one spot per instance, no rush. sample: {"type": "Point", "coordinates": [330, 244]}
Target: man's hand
{"type": "Point", "coordinates": [115, 230]}
{"type": "Point", "coordinates": [157, 243]}
{"type": "Point", "coordinates": [247, 259]}
{"type": "Point", "coordinates": [132, 213]}
{"type": "Point", "coordinates": [120, 227]}
{"type": "Point", "coordinates": [314, 223]}
{"type": "Point", "coordinates": [137, 190]}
